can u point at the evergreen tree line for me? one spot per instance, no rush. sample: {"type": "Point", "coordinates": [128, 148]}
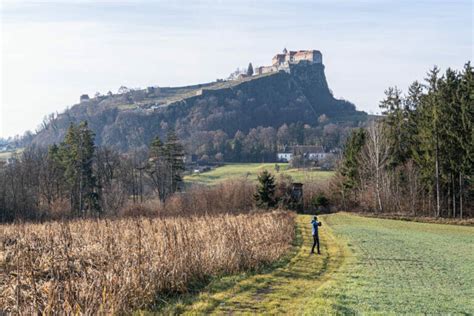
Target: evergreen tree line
{"type": "Point", "coordinates": [77, 179]}
{"type": "Point", "coordinates": [418, 157]}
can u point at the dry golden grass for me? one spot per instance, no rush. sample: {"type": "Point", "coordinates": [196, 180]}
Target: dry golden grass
{"type": "Point", "coordinates": [232, 196]}
{"type": "Point", "coordinates": [117, 266]}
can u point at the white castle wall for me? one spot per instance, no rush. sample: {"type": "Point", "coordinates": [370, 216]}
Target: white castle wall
{"type": "Point", "coordinates": [312, 56]}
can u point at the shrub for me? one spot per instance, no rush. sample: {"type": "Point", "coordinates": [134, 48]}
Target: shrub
{"type": "Point", "coordinates": [320, 202]}
{"type": "Point", "coordinates": [149, 208]}
{"type": "Point", "coordinates": [283, 191]}
{"type": "Point", "coordinates": [233, 197]}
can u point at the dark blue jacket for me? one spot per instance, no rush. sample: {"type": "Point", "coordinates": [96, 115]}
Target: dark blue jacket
{"type": "Point", "coordinates": [315, 225]}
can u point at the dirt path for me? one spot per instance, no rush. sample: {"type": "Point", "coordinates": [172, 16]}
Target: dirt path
{"type": "Point", "coordinates": [289, 289]}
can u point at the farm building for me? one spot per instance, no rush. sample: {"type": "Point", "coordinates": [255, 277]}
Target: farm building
{"type": "Point", "coordinates": [308, 152]}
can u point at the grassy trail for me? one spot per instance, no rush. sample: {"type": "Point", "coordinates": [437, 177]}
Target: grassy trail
{"type": "Point", "coordinates": [286, 290]}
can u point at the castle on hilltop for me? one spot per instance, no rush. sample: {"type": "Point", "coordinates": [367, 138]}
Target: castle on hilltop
{"type": "Point", "coordinates": [282, 61]}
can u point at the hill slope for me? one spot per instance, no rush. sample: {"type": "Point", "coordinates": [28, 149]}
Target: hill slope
{"type": "Point", "coordinates": [132, 119]}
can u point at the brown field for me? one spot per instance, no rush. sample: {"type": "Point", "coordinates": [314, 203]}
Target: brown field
{"type": "Point", "coordinates": [121, 265]}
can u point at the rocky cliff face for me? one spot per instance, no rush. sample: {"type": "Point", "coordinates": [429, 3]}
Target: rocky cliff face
{"type": "Point", "coordinates": [133, 119]}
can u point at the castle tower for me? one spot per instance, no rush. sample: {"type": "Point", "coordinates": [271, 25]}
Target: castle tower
{"type": "Point", "coordinates": [84, 98]}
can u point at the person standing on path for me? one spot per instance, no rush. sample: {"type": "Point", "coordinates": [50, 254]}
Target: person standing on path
{"type": "Point", "coordinates": [315, 225]}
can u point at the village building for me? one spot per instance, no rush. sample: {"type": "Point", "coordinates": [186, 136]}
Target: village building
{"type": "Point", "coordinates": [284, 156]}
{"type": "Point", "coordinates": [314, 153]}
{"type": "Point", "coordinates": [310, 152]}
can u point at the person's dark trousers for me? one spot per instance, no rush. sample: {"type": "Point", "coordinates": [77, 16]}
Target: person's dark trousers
{"type": "Point", "coordinates": [316, 242]}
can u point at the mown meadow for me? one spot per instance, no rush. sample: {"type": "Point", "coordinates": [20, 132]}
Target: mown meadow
{"type": "Point", "coordinates": [401, 267]}
{"type": "Point", "coordinates": [250, 172]}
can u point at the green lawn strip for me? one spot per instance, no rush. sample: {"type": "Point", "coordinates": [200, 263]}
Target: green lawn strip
{"type": "Point", "coordinates": [7, 154]}
{"type": "Point", "coordinates": [401, 267]}
{"type": "Point", "coordinates": [250, 171]}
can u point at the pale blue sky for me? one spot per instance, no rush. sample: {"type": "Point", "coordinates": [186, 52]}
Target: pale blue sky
{"type": "Point", "coordinates": [53, 51]}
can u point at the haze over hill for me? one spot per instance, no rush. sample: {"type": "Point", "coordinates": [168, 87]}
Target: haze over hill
{"type": "Point", "coordinates": [294, 93]}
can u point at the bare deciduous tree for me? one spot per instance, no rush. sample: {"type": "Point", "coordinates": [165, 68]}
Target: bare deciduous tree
{"type": "Point", "coordinates": [374, 158]}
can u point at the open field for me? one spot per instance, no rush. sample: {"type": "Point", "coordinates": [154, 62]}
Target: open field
{"type": "Point", "coordinates": [250, 171]}
{"type": "Point", "coordinates": [118, 266]}
{"type": "Point", "coordinates": [7, 154]}
{"type": "Point", "coordinates": [403, 267]}
{"type": "Point", "coordinates": [367, 265]}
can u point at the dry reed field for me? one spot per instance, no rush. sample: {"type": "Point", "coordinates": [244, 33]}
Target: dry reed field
{"type": "Point", "coordinates": [228, 197]}
{"type": "Point", "coordinates": [118, 266]}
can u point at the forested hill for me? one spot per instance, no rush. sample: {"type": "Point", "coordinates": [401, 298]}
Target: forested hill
{"type": "Point", "coordinates": [208, 116]}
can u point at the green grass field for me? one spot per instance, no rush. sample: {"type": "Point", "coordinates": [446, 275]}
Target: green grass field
{"type": "Point", "coordinates": [403, 267]}
{"type": "Point", "coordinates": [251, 170]}
{"type": "Point", "coordinates": [367, 266]}
{"type": "Point", "coordinates": [7, 154]}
